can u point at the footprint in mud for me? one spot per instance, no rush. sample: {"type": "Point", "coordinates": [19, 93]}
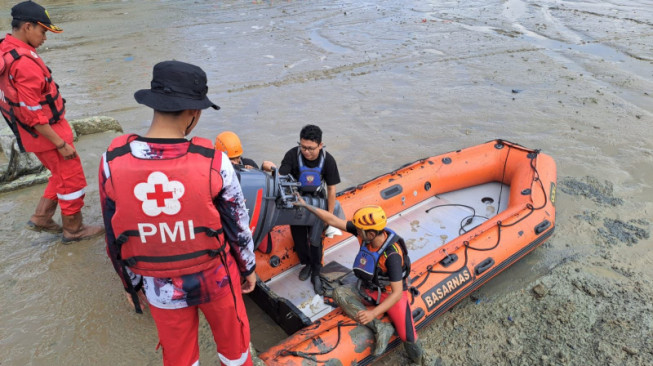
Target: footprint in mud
{"type": "Point", "coordinates": [613, 231]}
{"type": "Point", "coordinates": [590, 187]}
{"type": "Point", "coordinates": [616, 231]}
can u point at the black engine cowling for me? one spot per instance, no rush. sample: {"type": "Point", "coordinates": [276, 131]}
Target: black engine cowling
{"type": "Point", "coordinates": [269, 199]}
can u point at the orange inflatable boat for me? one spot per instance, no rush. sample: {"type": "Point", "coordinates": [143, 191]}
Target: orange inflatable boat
{"type": "Point", "coordinates": [465, 216]}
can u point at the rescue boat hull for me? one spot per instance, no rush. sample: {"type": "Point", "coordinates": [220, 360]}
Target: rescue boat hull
{"type": "Point", "coordinates": [466, 216]}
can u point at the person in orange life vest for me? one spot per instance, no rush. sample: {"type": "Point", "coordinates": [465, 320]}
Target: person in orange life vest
{"type": "Point", "coordinates": [382, 267]}
{"type": "Point", "coordinates": [32, 106]}
{"type": "Point", "coordinates": [177, 225]}
{"type": "Point", "coordinates": [315, 169]}
{"type": "Point", "coordinates": [229, 142]}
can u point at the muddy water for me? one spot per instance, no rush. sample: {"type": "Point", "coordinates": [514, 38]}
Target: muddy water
{"type": "Point", "coordinates": [388, 81]}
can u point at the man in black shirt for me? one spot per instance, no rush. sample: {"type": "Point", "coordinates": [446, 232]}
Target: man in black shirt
{"type": "Point", "coordinates": [317, 171]}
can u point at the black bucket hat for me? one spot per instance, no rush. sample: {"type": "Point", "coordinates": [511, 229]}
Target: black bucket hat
{"type": "Point", "coordinates": [30, 11]}
{"type": "Point", "coordinates": [176, 86]}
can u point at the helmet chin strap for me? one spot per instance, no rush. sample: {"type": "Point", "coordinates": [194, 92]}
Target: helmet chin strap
{"type": "Point", "coordinates": [364, 237]}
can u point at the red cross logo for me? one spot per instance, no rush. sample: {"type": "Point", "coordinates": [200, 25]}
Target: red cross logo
{"type": "Point", "coordinates": [159, 195]}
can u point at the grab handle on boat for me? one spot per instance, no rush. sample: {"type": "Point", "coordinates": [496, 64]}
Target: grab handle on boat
{"type": "Point", "coordinates": [448, 260]}
{"type": "Point", "coordinates": [484, 266]}
{"type": "Point", "coordinates": [542, 226]}
{"type": "Point", "coordinates": [391, 191]}
{"type": "Point", "coordinates": [418, 314]}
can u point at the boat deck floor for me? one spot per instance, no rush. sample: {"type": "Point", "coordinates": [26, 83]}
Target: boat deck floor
{"type": "Point", "coordinates": [425, 227]}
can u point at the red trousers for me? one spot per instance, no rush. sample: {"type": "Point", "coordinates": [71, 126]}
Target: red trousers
{"type": "Point", "coordinates": [178, 331]}
{"type": "Point", "coordinates": [67, 182]}
{"type": "Point", "coordinates": [400, 315]}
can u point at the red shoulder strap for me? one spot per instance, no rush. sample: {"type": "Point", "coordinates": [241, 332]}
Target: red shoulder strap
{"type": "Point", "coordinates": [206, 147]}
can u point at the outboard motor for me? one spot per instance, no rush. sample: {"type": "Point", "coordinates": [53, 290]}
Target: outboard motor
{"type": "Point", "coordinates": [269, 199]}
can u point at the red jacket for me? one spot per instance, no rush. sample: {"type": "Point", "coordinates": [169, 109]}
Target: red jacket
{"type": "Point", "coordinates": [28, 91]}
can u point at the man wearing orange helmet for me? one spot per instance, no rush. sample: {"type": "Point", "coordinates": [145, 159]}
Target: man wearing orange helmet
{"type": "Point", "coordinates": [382, 267]}
{"type": "Point", "coordinates": [229, 142]}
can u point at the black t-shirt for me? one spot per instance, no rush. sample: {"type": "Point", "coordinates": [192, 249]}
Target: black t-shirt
{"type": "Point", "coordinates": [393, 263]}
{"type": "Point", "coordinates": [290, 165]}
{"type": "Point", "coordinates": [247, 161]}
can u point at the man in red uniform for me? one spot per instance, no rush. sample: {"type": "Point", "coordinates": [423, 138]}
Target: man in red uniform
{"type": "Point", "coordinates": [30, 102]}
{"type": "Point", "coordinates": [177, 224]}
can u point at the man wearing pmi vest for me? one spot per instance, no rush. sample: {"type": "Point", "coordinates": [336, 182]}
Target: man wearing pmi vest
{"type": "Point", "coordinates": [177, 225]}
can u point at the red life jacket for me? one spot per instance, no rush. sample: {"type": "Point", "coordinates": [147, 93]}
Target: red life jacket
{"type": "Point", "coordinates": [53, 105]}
{"type": "Point", "coordinates": [165, 222]}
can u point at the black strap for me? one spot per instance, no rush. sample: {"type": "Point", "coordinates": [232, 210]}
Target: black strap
{"type": "Point", "coordinates": [13, 122]}
{"type": "Point", "coordinates": [55, 113]}
{"type": "Point", "coordinates": [122, 238]}
{"type": "Point", "coordinates": [173, 258]}
{"type": "Point", "coordinates": [50, 102]}
{"type": "Point", "coordinates": [12, 103]}
{"type": "Point", "coordinates": [212, 233]}
{"type": "Point", "coordinates": [133, 292]}
{"type": "Point", "coordinates": [58, 114]}
{"type": "Point", "coordinates": [14, 54]}
{"type": "Point", "coordinates": [204, 151]}
{"type": "Point", "coordinates": [119, 151]}
{"type": "Point", "coordinates": [14, 130]}
{"type": "Point", "coordinates": [46, 102]}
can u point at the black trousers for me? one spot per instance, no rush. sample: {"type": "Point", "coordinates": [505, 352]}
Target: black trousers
{"type": "Point", "coordinates": [308, 253]}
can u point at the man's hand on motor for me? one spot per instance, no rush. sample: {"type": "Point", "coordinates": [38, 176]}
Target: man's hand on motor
{"type": "Point", "coordinates": [299, 201]}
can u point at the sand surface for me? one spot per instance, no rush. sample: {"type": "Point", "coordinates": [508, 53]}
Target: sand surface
{"type": "Point", "coordinates": [389, 82]}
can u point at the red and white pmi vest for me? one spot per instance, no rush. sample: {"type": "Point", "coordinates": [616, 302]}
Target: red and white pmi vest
{"type": "Point", "coordinates": [165, 222]}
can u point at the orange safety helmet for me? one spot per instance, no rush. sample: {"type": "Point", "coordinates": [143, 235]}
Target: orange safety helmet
{"type": "Point", "coordinates": [229, 142]}
{"type": "Point", "coordinates": [370, 218]}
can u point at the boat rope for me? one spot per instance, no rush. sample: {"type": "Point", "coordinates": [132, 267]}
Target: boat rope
{"type": "Point", "coordinates": [311, 355]}
{"type": "Point", "coordinates": [503, 178]}
{"type": "Point", "coordinates": [467, 220]}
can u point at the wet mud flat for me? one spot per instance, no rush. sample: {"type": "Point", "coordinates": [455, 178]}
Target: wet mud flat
{"type": "Point", "coordinates": [389, 82]}
{"type": "Point", "coordinates": [587, 308]}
